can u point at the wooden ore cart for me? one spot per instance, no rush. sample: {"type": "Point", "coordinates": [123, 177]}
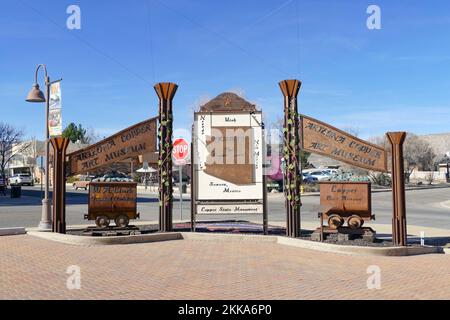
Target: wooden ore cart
{"type": "Point", "coordinates": [112, 201]}
{"type": "Point", "coordinates": [346, 202]}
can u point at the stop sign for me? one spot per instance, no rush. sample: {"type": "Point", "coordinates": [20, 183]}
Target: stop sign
{"type": "Point", "coordinates": [180, 150]}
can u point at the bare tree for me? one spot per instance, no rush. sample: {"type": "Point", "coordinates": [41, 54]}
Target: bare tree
{"type": "Point", "coordinates": [418, 154]}
{"type": "Point", "coordinates": [431, 167]}
{"type": "Point", "coordinates": [353, 130]}
{"type": "Point", "coordinates": [381, 178]}
{"type": "Point", "coordinates": [92, 136]}
{"type": "Point", "coordinates": [277, 128]}
{"type": "Point", "coordinates": [10, 144]}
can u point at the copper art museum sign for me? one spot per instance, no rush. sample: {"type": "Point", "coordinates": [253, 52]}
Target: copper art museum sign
{"type": "Point", "coordinates": [131, 142]}
{"type": "Point", "coordinates": [321, 138]}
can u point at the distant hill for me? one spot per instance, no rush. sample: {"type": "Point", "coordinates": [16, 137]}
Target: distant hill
{"type": "Point", "coordinates": [440, 142]}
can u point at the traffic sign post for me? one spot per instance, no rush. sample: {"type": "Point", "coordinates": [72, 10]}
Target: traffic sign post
{"type": "Point", "coordinates": [180, 153]}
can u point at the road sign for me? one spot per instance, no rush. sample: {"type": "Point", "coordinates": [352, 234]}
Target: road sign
{"type": "Point", "coordinates": [180, 151]}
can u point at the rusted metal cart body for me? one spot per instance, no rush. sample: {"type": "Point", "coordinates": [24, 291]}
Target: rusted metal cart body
{"type": "Point", "coordinates": [115, 201]}
{"type": "Point", "coordinates": [347, 203]}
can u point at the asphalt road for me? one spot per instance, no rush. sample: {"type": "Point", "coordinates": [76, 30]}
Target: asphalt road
{"type": "Point", "coordinates": [424, 208]}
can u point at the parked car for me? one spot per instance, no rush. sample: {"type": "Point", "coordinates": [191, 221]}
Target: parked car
{"type": "Point", "coordinates": [83, 183]}
{"type": "Point", "coordinates": [331, 171]}
{"type": "Point", "coordinates": [320, 175]}
{"type": "Point", "coordinates": [307, 178]}
{"type": "Point", "coordinates": [21, 179]}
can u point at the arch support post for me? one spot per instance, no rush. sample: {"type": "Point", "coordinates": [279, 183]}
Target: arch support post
{"type": "Point", "coordinates": [291, 156]}
{"type": "Point", "coordinates": [399, 233]}
{"type": "Point", "coordinates": [165, 91]}
{"type": "Point", "coordinates": [59, 183]}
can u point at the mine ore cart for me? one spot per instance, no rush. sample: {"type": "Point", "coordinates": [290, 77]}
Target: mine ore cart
{"type": "Point", "coordinates": [112, 201]}
{"type": "Point", "coordinates": [345, 206]}
{"type": "Point", "coordinates": [346, 203]}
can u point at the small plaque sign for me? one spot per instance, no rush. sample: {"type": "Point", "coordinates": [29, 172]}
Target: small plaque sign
{"type": "Point", "coordinates": [345, 197]}
{"type": "Point", "coordinates": [224, 209]}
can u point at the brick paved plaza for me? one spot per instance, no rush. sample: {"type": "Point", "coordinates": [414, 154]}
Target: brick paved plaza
{"type": "Point", "coordinates": [34, 268]}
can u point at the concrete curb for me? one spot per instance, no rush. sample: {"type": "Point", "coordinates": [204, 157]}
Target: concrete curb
{"type": "Point", "coordinates": [96, 241]}
{"type": "Point", "coordinates": [12, 231]}
{"type": "Point", "coordinates": [305, 244]}
{"type": "Point", "coordinates": [228, 237]}
{"type": "Point", "coordinates": [355, 250]}
{"type": "Point", "coordinates": [318, 246]}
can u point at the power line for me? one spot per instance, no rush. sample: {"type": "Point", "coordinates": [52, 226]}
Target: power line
{"type": "Point", "coordinates": [298, 36]}
{"type": "Point", "coordinates": [150, 39]}
{"type": "Point", "coordinates": [259, 20]}
{"type": "Point", "coordinates": [87, 43]}
{"type": "Point", "coordinates": [218, 35]}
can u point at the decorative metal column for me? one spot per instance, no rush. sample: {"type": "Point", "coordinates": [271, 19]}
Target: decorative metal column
{"type": "Point", "coordinates": [399, 234]}
{"type": "Point", "coordinates": [291, 153]}
{"type": "Point", "coordinates": [265, 212]}
{"type": "Point", "coordinates": [59, 184]}
{"type": "Point", "coordinates": [193, 182]}
{"type": "Point", "coordinates": [166, 92]}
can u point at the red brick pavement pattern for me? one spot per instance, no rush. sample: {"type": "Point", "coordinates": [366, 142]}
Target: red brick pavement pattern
{"type": "Point", "coordinates": [33, 268]}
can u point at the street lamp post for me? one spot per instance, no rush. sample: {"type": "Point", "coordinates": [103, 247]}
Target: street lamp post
{"type": "Point", "coordinates": [37, 96]}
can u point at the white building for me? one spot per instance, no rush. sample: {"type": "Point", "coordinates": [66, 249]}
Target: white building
{"type": "Point", "coordinates": [27, 154]}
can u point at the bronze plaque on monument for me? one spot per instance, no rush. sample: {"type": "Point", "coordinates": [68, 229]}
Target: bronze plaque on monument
{"type": "Point", "coordinates": [133, 141]}
{"type": "Point", "coordinates": [231, 157]}
{"type": "Point", "coordinates": [228, 146]}
{"type": "Point", "coordinates": [321, 138]}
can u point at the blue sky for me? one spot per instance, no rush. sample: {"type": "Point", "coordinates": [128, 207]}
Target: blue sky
{"type": "Point", "coordinates": [373, 81]}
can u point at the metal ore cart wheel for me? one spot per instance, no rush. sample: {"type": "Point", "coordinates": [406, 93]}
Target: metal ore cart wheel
{"type": "Point", "coordinates": [355, 222]}
{"type": "Point", "coordinates": [122, 221]}
{"type": "Point", "coordinates": [102, 221]}
{"type": "Point", "coordinates": [335, 221]}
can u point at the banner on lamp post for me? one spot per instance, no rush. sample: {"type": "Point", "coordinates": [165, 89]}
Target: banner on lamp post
{"type": "Point", "coordinates": [54, 116]}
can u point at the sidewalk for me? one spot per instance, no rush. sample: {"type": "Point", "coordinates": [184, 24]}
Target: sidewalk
{"type": "Point", "coordinates": [34, 268]}
{"type": "Point", "coordinates": [383, 230]}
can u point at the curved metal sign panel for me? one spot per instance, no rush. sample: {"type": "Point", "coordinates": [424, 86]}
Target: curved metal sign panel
{"type": "Point", "coordinates": [321, 138]}
{"type": "Point", "coordinates": [130, 142]}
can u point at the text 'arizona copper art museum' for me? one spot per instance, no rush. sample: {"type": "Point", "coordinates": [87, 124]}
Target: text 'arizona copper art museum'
{"type": "Point", "coordinates": [228, 152]}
